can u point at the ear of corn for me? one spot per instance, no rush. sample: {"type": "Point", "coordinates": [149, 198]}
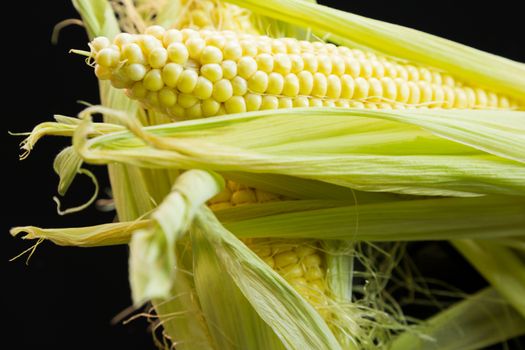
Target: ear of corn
{"type": "Point", "coordinates": [192, 74]}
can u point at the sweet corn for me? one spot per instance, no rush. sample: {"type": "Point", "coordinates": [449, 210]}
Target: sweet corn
{"type": "Point", "coordinates": [301, 263]}
{"type": "Point", "coordinates": [233, 69]}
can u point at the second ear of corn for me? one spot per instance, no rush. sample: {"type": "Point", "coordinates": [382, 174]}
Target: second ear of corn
{"type": "Point", "coordinates": [191, 74]}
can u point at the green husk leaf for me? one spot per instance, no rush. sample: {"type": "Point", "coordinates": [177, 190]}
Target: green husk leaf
{"type": "Point", "coordinates": [479, 321]}
{"type": "Point", "coordinates": [429, 219]}
{"type": "Point", "coordinates": [469, 64]}
{"type": "Point", "coordinates": [152, 250]}
{"type": "Point", "coordinates": [296, 323]}
{"type": "Point", "coordinates": [502, 267]}
{"type": "Point", "coordinates": [347, 147]}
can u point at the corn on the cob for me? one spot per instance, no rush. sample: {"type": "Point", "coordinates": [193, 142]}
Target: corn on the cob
{"type": "Point", "coordinates": [192, 74]}
{"type": "Point", "coordinates": [301, 263]}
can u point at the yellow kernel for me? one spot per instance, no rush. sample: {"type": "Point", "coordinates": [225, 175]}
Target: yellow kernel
{"type": "Point", "coordinates": [361, 88]}
{"type": "Point", "coordinates": [333, 89]}
{"type": "Point", "coordinates": [232, 51]}
{"type": "Point", "coordinates": [325, 64]}
{"type": "Point", "coordinates": [448, 80]}
{"type": "Point", "coordinates": [460, 98]}
{"type": "Point", "coordinates": [376, 90]}
{"type": "Point", "coordinates": [436, 78]}
{"type": "Point", "coordinates": [152, 98]}
{"type": "Point", "coordinates": [188, 33]}
{"type": "Point", "coordinates": [352, 66]}
{"type": "Point", "coordinates": [313, 273]}
{"type": "Point", "coordinates": [389, 88]}
{"type": "Point", "coordinates": [210, 107]}
{"type": "Point", "coordinates": [213, 72]}
{"type": "Point", "coordinates": [292, 45]}
{"type": "Point", "coordinates": [220, 206]}
{"type": "Point", "coordinates": [186, 100]}
{"type": "Point", "coordinates": [203, 88]}
{"type": "Point", "coordinates": [292, 271]}
{"type": "Point", "coordinates": [171, 36]}
{"type": "Point", "coordinates": [378, 70]}
{"type": "Point", "coordinates": [311, 260]}
{"type": "Point", "coordinates": [269, 102]}
{"type": "Point", "coordinates": [481, 98]}
{"type": "Point", "coordinates": [390, 69]}
{"type": "Point", "coordinates": [285, 102]}
{"type": "Point", "coordinates": [342, 103]}
{"type": "Point", "coordinates": [438, 96]}
{"type": "Point", "coordinates": [156, 31]}
{"type": "Point", "coordinates": [245, 196]}
{"type": "Point", "coordinates": [178, 53]}
{"type": "Point", "coordinates": [415, 93]}
{"type": "Point", "coordinates": [100, 43]}
{"type": "Point", "coordinates": [310, 62]}
{"type": "Point", "coordinates": [328, 103]}
{"type": "Point", "coordinates": [450, 96]}
{"type": "Point", "coordinates": [187, 81]}
{"type": "Point", "coordinates": [171, 74]}
{"type": "Point", "coordinates": [246, 67]}
{"type": "Point", "coordinates": [138, 91]}
{"type": "Point", "coordinates": [248, 48]}
{"type": "Point", "coordinates": [229, 69]}
{"type": "Point", "coordinates": [278, 46]}
{"type": "Point", "coordinates": [471, 97]}
{"type": "Point", "coordinates": [366, 68]}
{"type": "Point", "coordinates": [338, 65]}
{"type": "Point", "coordinates": [158, 57]}
{"type": "Point", "coordinates": [320, 85]}
{"type": "Point", "coordinates": [194, 112]}
{"type": "Point", "coordinates": [285, 259]}
{"type": "Point", "coordinates": [135, 71]}
{"type": "Point", "coordinates": [253, 102]}
{"type": "Point", "coordinates": [426, 91]}
{"type": "Point", "coordinates": [265, 62]}
{"type": "Point", "coordinates": [403, 90]}
{"type": "Point", "coordinates": [218, 41]}
{"type": "Point", "coordinates": [402, 72]}
{"type": "Point", "coordinates": [297, 63]}
{"type": "Point", "coordinates": [132, 53]}
{"type": "Point", "coordinates": [104, 73]}
{"type": "Point", "coordinates": [306, 82]}
{"type": "Point", "coordinates": [258, 82]}
{"type": "Point", "coordinates": [347, 86]}
{"type": "Point", "coordinates": [425, 75]}
{"type": "Point", "coordinates": [153, 80]}
{"type": "Point", "coordinates": [211, 54]}
{"type": "Point", "coordinates": [239, 85]}
{"type": "Point", "coordinates": [282, 63]}
{"type": "Point", "coordinates": [503, 102]}
{"type": "Point", "coordinates": [291, 85]}
{"type": "Point", "coordinates": [492, 100]}
{"type": "Point", "coordinates": [301, 101]}
{"type": "Point", "coordinates": [413, 73]}
{"type": "Point", "coordinates": [167, 97]}
{"type": "Point", "coordinates": [316, 102]}
{"type": "Point", "coordinates": [357, 104]}
{"type": "Point", "coordinates": [275, 83]}
{"type": "Point", "coordinates": [235, 104]}
{"type": "Point", "coordinates": [177, 111]}
{"type": "Point", "coordinates": [222, 90]}
{"type": "Point", "coordinates": [195, 47]}
{"type": "Point", "coordinates": [148, 43]}
{"type": "Point", "coordinates": [108, 57]}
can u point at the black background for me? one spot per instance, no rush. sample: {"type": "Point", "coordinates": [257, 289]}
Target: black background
{"type": "Point", "coordinates": [66, 297]}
